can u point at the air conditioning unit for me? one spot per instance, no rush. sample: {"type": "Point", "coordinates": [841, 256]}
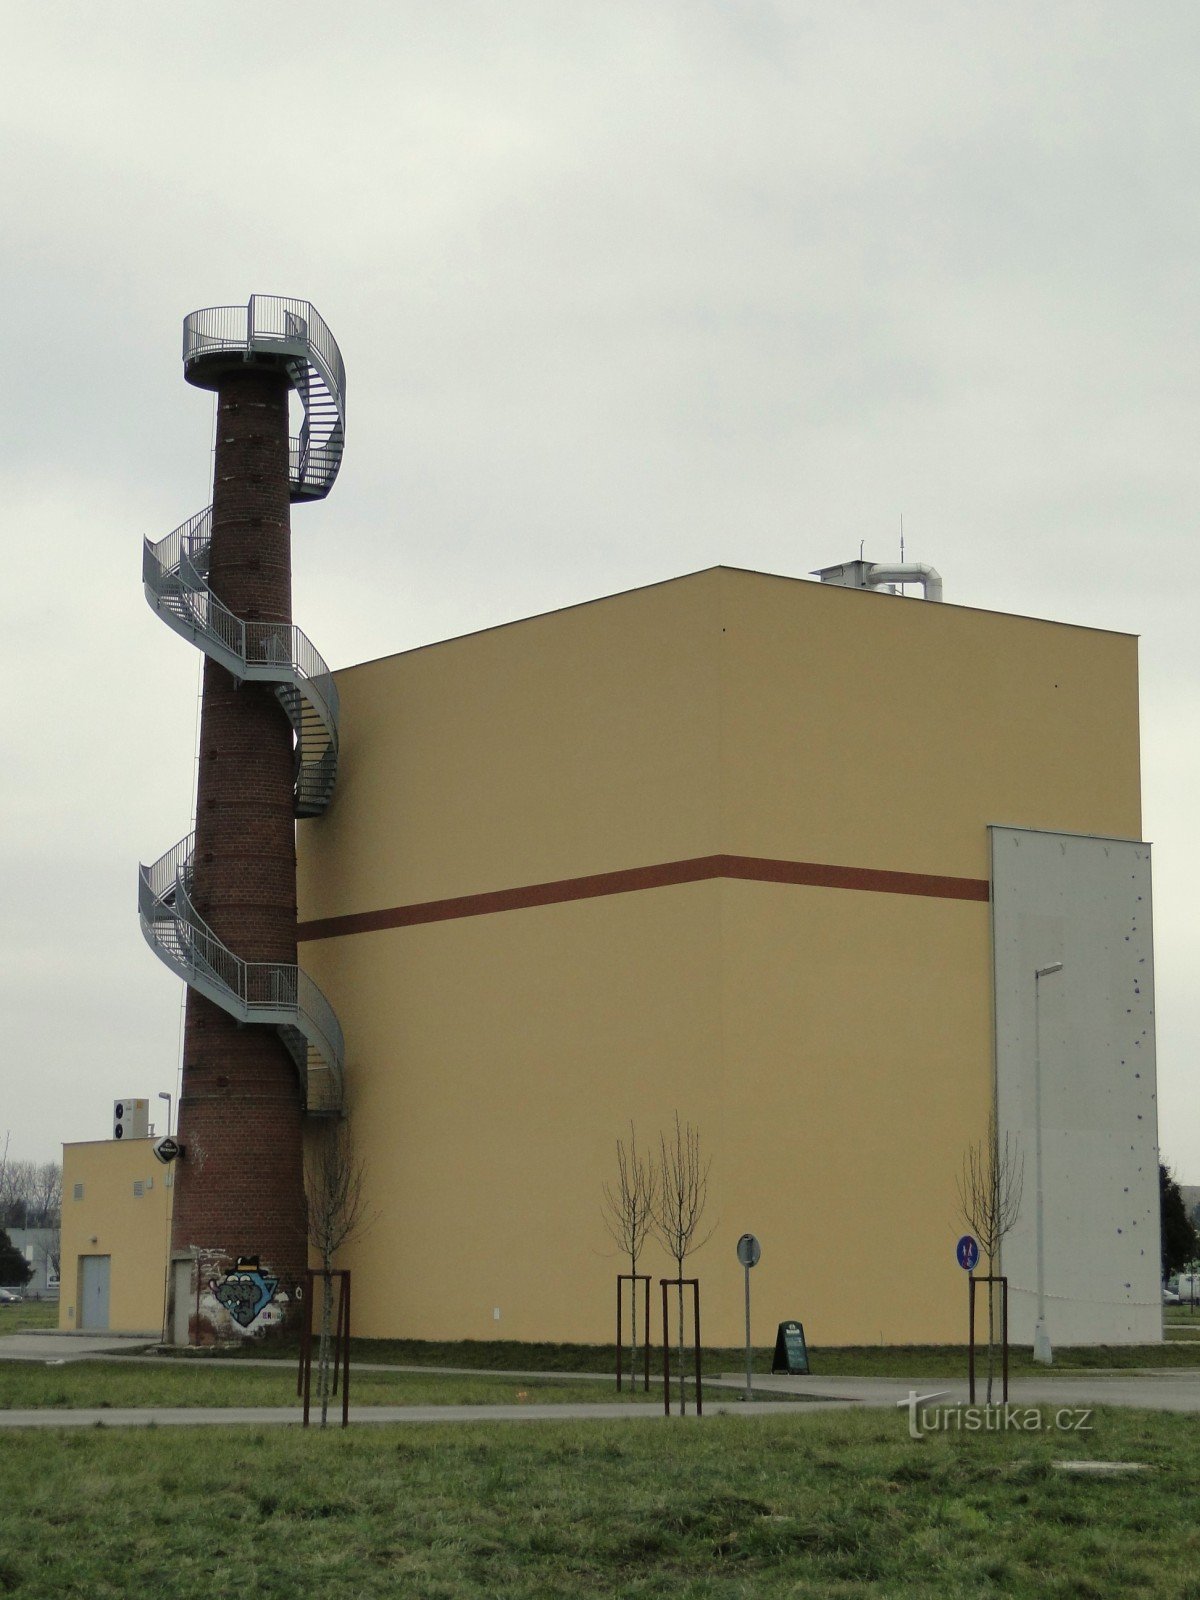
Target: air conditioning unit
{"type": "Point", "coordinates": [131, 1119]}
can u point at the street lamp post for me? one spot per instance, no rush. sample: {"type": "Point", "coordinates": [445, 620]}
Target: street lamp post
{"type": "Point", "coordinates": [164, 1096]}
{"type": "Point", "coordinates": [1041, 1339]}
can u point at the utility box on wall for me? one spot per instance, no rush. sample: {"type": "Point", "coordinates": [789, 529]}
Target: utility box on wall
{"type": "Point", "coordinates": [131, 1119]}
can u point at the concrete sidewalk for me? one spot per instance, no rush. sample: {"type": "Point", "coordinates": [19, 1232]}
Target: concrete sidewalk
{"type": "Point", "coordinates": [1170, 1392]}
{"type": "Point", "coordinates": [51, 1345]}
{"type": "Point", "coordinates": [857, 1394]}
{"type": "Point", "coordinates": [1160, 1389]}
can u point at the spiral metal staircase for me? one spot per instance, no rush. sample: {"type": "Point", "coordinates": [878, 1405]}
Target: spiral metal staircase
{"type": "Point", "coordinates": [291, 334]}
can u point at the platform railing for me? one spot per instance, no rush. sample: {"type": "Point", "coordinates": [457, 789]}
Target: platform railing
{"type": "Point", "coordinates": [283, 327]}
{"type": "Point", "coordinates": [276, 992]}
{"type": "Point", "coordinates": [175, 575]}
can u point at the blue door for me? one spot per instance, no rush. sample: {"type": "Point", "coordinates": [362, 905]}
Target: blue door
{"type": "Point", "coordinates": [93, 1291]}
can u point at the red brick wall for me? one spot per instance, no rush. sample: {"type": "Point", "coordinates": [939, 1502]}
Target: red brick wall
{"type": "Point", "coordinates": [239, 1189]}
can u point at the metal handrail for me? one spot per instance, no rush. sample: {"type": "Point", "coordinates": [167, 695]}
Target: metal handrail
{"type": "Point", "coordinates": [253, 991]}
{"type": "Point", "coordinates": [313, 466]}
{"type": "Point", "coordinates": [269, 323]}
{"type": "Point", "coordinates": [276, 317]}
{"type": "Point", "coordinates": [176, 569]}
{"type": "Point", "coordinates": [161, 877]}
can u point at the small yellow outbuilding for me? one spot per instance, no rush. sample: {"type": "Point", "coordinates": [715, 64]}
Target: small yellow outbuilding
{"type": "Point", "coordinates": [116, 1235]}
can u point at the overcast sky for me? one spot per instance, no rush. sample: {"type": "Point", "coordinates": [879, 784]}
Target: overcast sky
{"type": "Point", "coordinates": [624, 289]}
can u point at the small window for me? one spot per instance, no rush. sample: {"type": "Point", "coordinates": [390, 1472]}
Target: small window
{"type": "Point", "coordinates": [138, 1189]}
{"type": "Point", "coordinates": [77, 1193]}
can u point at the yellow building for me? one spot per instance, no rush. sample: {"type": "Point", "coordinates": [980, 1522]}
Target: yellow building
{"type": "Point", "coordinates": [722, 846]}
{"type": "Point", "coordinates": [116, 1233]}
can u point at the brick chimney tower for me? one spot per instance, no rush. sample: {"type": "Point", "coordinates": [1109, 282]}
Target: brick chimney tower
{"type": "Point", "coordinates": [262, 1047]}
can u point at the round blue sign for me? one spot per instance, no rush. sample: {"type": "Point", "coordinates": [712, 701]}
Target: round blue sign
{"type": "Point", "coordinates": [967, 1251]}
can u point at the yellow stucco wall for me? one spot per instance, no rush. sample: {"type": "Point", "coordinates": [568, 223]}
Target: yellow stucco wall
{"type": "Point", "coordinates": [582, 741]}
{"type": "Point", "coordinates": [111, 1220]}
{"type": "Point", "coordinates": [513, 1050]}
{"type": "Point", "coordinates": [863, 729]}
{"type": "Point", "coordinates": [725, 711]}
{"type": "Point", "coordinates": [833, 1045]}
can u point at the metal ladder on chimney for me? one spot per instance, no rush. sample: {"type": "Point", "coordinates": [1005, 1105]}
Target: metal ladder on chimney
{"type": "Point", "coordinates": [175, 579]}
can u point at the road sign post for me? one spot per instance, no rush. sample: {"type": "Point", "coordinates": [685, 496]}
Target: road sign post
{"type": "Point", "coordinates": [748, 1252]}
{"type": "Point", "coordinates": [966, 1252]}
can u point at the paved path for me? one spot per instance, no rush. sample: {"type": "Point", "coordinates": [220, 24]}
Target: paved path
{"type": "Point", "coordinates": [51, 1347]}
{"type": "Point", "coordinates": [1155, 1388]}
{"type": "Point", "coordinates": [39, 1344]}
{"type": "Point", "coordinates": [1171, 1392]}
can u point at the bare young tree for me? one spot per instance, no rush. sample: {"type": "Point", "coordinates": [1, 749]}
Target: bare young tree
{"type": "Point", "coordinates": [336, 1212]}
{"type": "Point", "coordinates": [990, 1187]}
{"type": "Point", "coordinates": [6, 1183]}
{"type": "Point", "coordinates": [628, 1210]}
{"type": "Point", "coordinates": [51, 1256]}
{"type": "Point", "coordinates": [10, 1212]}
{"type": "Point", "coordinates": [682, 1194]}
{"type": "Point", "coordinates": [45, 1202]}
{"type": "Point", "coordinates": [30, 1192]}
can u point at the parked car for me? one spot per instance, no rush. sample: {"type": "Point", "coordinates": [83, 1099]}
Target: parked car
{"type": "Point", "coordinates": [10, 1297]}
{"type": "Point", "coordinates": [1170, 1298]}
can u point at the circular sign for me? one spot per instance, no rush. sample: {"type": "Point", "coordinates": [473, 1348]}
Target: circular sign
{"type": "Point", "coordinates": [967, 1251]}
{"type": "Point", "coordinates": [748, 1250]}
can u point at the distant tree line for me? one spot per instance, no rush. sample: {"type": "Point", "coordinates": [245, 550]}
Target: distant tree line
{"type": "Point", "coordinates": [15, 1271]}
{"type": "Point", "coordinates": [1180, 1244]}
{"type": "Point", "coordinates": [30, 1192]}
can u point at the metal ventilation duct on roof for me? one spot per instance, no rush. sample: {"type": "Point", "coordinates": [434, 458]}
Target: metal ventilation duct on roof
{"type": "Point", "coordinates": [874, 575]}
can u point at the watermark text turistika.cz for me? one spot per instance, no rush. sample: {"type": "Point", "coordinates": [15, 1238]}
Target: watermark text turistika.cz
{"type": "Point", "coordinates": [924, 1418]}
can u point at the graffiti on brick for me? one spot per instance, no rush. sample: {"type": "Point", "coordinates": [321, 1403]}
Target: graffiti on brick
{"type": "Point", "coordinates": [251, 1297]}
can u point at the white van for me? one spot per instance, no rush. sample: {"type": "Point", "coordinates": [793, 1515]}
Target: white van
{"type": "Point", "coordinates": [1187, 1286]}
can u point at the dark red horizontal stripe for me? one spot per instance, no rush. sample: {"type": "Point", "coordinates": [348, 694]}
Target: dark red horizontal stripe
{"type": "Point", "coordinates": [755, 869]}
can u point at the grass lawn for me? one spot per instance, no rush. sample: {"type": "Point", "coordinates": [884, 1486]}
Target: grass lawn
{"type": "Point", "coordinates": [30, 1314]}
{"type": "Point", "coordinates": [950, 1361]}
{"type": "Point", "coordinates": [32, 1385]}
{"type": "Point", "coordinates": [819, 1505]}
{"type": "Point", "coordinates": [884, 1361]}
